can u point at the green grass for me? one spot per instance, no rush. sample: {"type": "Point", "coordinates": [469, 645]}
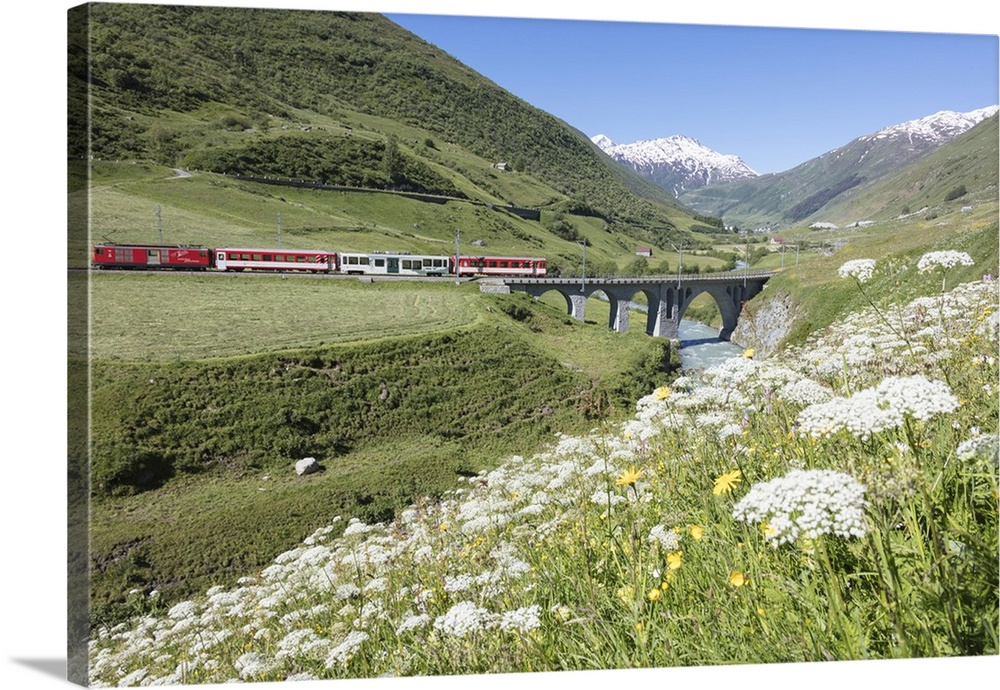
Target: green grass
{"type": "Point", "coordinates": [398, 389]}
{"type": "Point", "coordinates": [727, 523]}
{"type": "Point", "coordinates": [167, 316]}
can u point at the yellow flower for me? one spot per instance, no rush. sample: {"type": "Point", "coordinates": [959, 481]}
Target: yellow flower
{"type": "Point", "coordinates": [767, 530]}
{"type": "Point", "coordinates": [725, 482]}
{"type": "Point", "coordinates": [737, 579]}
{"type": "Point", "coordinates": [748, 353]}
{"type": "Point", "coordinates": [674, 560]}
{"type": "Point", "coordinates": [628, 477]}
{"type": "Point", "coordinates": [661, 393]}
{"type": "Point", "coordinates": [697, 532]}
{"type": "Point", "coordinates": [443, 527]}
{"type": "Point", "coordinates": [654, 594]}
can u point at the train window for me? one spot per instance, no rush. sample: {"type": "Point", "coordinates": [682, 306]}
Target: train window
{"type": "Point", "coordinates": [257, 257]}
{"type": "Point", "coordinates": [245, 257]}
{"type": "Point", "coordinates": [379, 263]}
{"type": "Point", "coordinates": [267, 257]}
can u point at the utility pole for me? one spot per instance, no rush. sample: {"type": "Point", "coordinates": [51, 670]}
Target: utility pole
{"type": "Point", "coordinates": [746, 268]}
{"type": "Point", "coordinates": [680, 261]}
{"type": "Point", "coordinates": [583, 271]}
{"type": "Point", "coordinates": [279, 230]}
{"type": "Point", "coordinates": [458, 276]}
{"type": "Point", "coordinates": [159, 222]}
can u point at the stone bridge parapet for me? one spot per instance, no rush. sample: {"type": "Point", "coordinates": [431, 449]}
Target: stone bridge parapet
{"type": "Point", "coordinates": [667, 298]}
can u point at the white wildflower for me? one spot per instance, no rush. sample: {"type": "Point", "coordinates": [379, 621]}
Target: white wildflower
{"type": "Point", "coordinates": [252, 665]}
{"type": "Point", "coordinates": [668, 539]}
{"type": "Point", "coordinates": [521, 620]}
{"type": "Point", "coordinates": [347, 591]}
{"type": "Point", "coordinates": [805, 502]}
{"type": "Point", "coordinates": [917, 397]}
{"type": "Point", "coordinates": [342, 652]}
{"type": "Point", "coordinates": [861, 269]}
{"type": "Point", "coordinates": [459, 583]}
{"type": "Point", "coordinates": [413, 623]}
{"type": "Point", "coordinates": [944, 259]}
{"type": "Point", "coordinates": [463, 618]}
{"type": "Point", "coordinates": [878, 409]}
{"type": "Point", "coordinates": [984, 446]}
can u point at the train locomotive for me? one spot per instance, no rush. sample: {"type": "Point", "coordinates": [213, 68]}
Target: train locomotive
{"type": "Point", "coordinates": [181, 257]}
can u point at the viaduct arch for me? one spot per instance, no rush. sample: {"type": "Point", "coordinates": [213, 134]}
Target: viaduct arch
{"type": "Point", "coordinates": [668, 298]}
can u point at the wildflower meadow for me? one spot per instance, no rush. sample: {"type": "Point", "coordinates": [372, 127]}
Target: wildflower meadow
{"type": "Point", "coordinates": [837, 501]}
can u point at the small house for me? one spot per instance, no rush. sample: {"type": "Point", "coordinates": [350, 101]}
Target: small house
{"type": "Point", "coordinates": [644, 251]}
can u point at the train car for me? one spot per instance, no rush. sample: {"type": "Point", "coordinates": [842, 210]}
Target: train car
{"type": "Point", "coordinates": [394, 264]}
{"type": "Point", "coordinates": [151, 256]}
{"type": "Point", "coordinates": [513, 266]}
{"type": "Point", "coordinates": [239, 259]}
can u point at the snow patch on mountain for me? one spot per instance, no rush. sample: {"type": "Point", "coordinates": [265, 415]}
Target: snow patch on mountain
{"type": "Point", "coordinates": [935, 129]}
{"type": "Point", "coordinates": [676, 163]}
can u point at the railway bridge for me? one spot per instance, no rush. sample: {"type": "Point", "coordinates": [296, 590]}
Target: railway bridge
{"type": "Point", "coordinates": [667, 298]}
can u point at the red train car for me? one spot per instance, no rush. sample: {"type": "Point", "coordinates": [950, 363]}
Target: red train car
{"type": "Point", "coordinates": [151, 256]}
{"type": "Point", "coordinates": [238, 259]}
{"type": "Point", "coordinates": [532, 267]}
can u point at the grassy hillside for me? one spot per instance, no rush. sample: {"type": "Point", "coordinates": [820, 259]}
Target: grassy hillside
{"type": "Point", "coordinates": [206, 390]}
{"type": "Point", "coordinates": [132, 202]}
{"type": "Point", "coordinates": [963, 172]}
{"type": "Point", "coordinates": [346, 98]}
{"type": "Point", "coordinates": [818, 295]}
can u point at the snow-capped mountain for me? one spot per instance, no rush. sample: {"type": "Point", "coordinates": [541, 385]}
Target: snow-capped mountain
{"type": "Point", "coordinates": [810, 189]}
{"type": "Point", "coordinates": [934, 129]}
{"type": "Point", "coordinates": [678, 163]}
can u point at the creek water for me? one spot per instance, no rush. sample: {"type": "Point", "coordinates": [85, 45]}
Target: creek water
{"type": "Point", "coordinates": [701, 347]}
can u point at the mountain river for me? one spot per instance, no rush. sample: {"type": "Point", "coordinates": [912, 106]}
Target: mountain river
{"type": "Point", "coordinates": [701, 347]}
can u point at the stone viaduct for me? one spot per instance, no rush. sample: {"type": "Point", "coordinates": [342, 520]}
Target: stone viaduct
{"type": "Point", "coordinates": [668, 298]}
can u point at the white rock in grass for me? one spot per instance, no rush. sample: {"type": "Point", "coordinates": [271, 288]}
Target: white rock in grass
{"type": "Point", "coordinates": [306, 466]}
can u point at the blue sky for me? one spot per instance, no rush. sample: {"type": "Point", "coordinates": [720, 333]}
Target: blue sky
{"type": "Point", "coordinates": [776, 97]}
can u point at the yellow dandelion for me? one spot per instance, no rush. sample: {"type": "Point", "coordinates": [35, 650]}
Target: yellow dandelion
{"type": "Point", "coordinates": [674, 560]}
{"type": "Point", "coordinates": [748, 353]}
{"type": "Point", "coordinates": [737, 579]}
{"type": "Point", "coordinates": [725, 482]}
{"type": "Point", "coordinates": [638, 626]}
{"type": "Point", "coordinates": [628, 477]}
{"type": "Point", "coordinates": [697, 532]}
{"type": "Point", "coordinates": [653, 594]}
{"type": "Point", "coordinates": [443, 527]}
{"type": "Point", "coordinates": [760, 611]}
{"type": "Point", "coordinates": [664, 585]}
{"type": "Point", "coordinates": [661, 393]}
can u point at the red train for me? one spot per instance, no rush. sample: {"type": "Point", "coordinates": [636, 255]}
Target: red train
{"type": "Point", "coordinates": [176, 257]}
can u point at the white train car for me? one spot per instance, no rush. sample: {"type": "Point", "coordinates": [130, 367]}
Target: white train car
{"type": "Point", "coordinates": [394, 264]}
